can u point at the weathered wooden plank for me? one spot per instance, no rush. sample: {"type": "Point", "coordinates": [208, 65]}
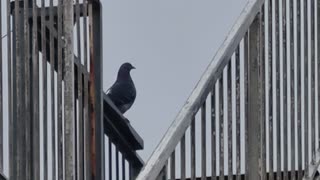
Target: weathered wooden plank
{"type": "Point", "coordinates": [203, 142]}
{"type": "Point", "coordinates": [45, 99]}
{"type": "Point", "coordinates": [221, 127]}
{"type": "Point", "coordinates": [229, 124]}
{"type": "Point", "coordinates": [26, 84]}
{"type": "Point", "coordinates": [292, 90]}
{"type": "Point", "coordinates": [69, 107]}
{"type": "Point", "coordinates": [193, 148]}
{"type": "Point", "coordinates": [299, 88]}
{"type": "Point", "coordinates": [183, 157]}
{"type": "Point", "coordinates": [238, 116]}
{"type": "Point", "coordinates": [213, 133]}
{"type": "Point", "coordinates": [306, 84]}
{"type": "Point", "coordinates": [262, 92]}
{"type": "Point", "coordinates": [254, 106]}
{"type": "Point", "coordinates": [59, 88]}
{"type": "Point", "coordinates": [35, 100]}
{"type": "Point", "coordinates": [173, 166]}
{"type": "Point", "coordinates": [284, 90]}
{"type": "Point", "coordinates": [270, 83]}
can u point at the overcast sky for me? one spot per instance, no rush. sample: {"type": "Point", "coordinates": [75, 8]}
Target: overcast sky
{"type": "Point", "coordinates": [170, 42]}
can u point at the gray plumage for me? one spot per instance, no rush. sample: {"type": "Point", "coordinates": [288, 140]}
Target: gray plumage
{"type": "Point", "coordinates": [123, 92]}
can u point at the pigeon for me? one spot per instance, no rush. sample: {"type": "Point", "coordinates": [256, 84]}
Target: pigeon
{"type": "Point", "coordinates": [123, 92]}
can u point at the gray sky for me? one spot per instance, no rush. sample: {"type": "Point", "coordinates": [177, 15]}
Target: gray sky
{"type": "Point", "coordinates": [170, 42]}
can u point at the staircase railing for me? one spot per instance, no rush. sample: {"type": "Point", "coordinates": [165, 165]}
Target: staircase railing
{"type": "Point", "coordinates": [259, 99]}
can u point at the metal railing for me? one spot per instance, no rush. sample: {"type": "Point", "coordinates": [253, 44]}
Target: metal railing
{"type": "Point", "coordinates": [254, 114]}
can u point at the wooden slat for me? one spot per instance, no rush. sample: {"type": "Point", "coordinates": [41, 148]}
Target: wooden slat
{"type": "Point", "coordinates": [123, 168]}
{"type": "Point", "coordinates": [284, 90]}
{"type": "Point", "coordinates": [306, 85]}
{"type": "Point", "coordinates": [45, 99]}
{"type": "Point", "coordinates": [68, 15]}
{"type": "Point", "coordinates": [173, 166]}
{"type": "Point", "coordinates": [313, 69]}
{"type": "Point", "coordinates": [53, 102]}
{"type": "Point", "coordinates": [292, 90]}
{"type": "Point", "coordinates": [10, 99]}
{"type": "Point", "coordinates": [117, 164]}
{"type": "Point", "coordinates": [213, 133]}
{"type": "Point", "coordinates": [277, 87]}
{"type": "Point", "coordinates": [1, 98]}
{"type": "Point", "coordinates": [270, 83]}
{"type": "Point", "coordinates": [203, 142]}
{"type": "Point", "coordinates": [238, 116]}
{"type": "Point", "coordinates": [110, 159]}
{"type": "Point", "coordinates": [183, 157]}
{"type": "Point", "coordinates": [299, 115]}
{"type": "Point", "coordinates": [193, 149]}
{"type": "Point", "coordinates": [35, 129]}
{"type": "Point", "coordinates": [26, 85]}
{"type": "Point", "coordinates": [59, 87]}
{"type": "Point", "coordinates": [263, 96]}
{"type": "Point", "coordinates": [245, 99]}
{"type": "Point", "coordinates": [254, 106]}
{"type": "Point", "coordinates": [229, 116]}
{"type": "Point", "coordinates": [221, 128]}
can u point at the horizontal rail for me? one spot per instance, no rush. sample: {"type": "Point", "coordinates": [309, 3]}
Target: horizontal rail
{"type": "Point", "coordinates": [183, 120]}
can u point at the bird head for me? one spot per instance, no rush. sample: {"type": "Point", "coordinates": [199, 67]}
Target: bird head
{"type": "Point", "coordinates": [124, 71]}
{"type": "Point", "coordinates": [126, 67]}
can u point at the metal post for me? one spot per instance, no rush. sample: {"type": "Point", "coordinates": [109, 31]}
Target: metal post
{"type": "Point", "coordinates": [254, 100]}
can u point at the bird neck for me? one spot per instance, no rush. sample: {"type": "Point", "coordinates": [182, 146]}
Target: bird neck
{"type": "Point", "coordinates": [124, 76]}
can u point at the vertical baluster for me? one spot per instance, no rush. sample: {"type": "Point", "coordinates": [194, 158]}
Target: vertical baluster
{"type": "Point", "coordinates": [193, 149]}
{"type": "Point", "coordinates": [1, 99]}
{"type": "Point", "coordinates": [59, 88]}
{"type": "Point", "coordinates": [69, 118]}
{"type": "Point", "coordinates": [312, 66]}
{"type": "Point", "coordinates": [270, 83]}
{"type": "Point", "coordinates": [299, 115]}
{"type": "Point", "coordinates": [278, 102]}
{"type": "Point", "coordinates": [238, 120]}
{"type": "Point", "coordinates": [110, 160]}
{"type": "Point", "coordinates": [203, 142]}
{"type": "Point", "coordinates": [117, 164]}
{"type": "Point", "coordinates": [53, 122]}
{"type": "Point", "coordinates": [10, 99]}
{"type": "Point", "coordinates": [229, 99]}
{"type": "Point", "coordinates": [213, 133]}
{"type": "Point", "coordinates": [35, 129]}
{"type": "Point", "coordinates": [44, 95]}
{"type": "Point", "coordinates": [221, 131]}
{"type": "Point", "coordinates": [26, 84]}
{"type": "Point", "coordinates": [173, 166]}
{"type": "Point", "coordinates": [285, 81]}
{"type": "Point", "coordinates": [318, 64]}
{"type": "Point", "coordinates": [292, 91]}
{"type": "Point", "coordinates": [80, 94]}
{"type": "Point", "coordinates": [183, 157]}
{"type": "Point", "coordinates": [245, 72]}
{"type": "Point", "coordinates": [306, 86]}
{"type": "Point", "coordinates": [263, 96]}
{"type": "Point", "coordinates": [123, 168]}
{"type": "Point", "coordinates": [12, 90]}
{"type": "Point", "coordinates": [254, 99]}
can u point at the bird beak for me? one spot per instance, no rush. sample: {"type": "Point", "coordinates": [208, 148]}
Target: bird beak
{"type": "Point", "coordinates": [133, 67]}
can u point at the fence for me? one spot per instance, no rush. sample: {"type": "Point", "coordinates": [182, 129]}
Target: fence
{"type": "Point", "coordinates": [254, 114]}
{"type": "Point", "coordinates": [51, 101]}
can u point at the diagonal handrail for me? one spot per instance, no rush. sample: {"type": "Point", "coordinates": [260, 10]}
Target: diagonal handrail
{"type": "Point", "coordinates": [183, 120]}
